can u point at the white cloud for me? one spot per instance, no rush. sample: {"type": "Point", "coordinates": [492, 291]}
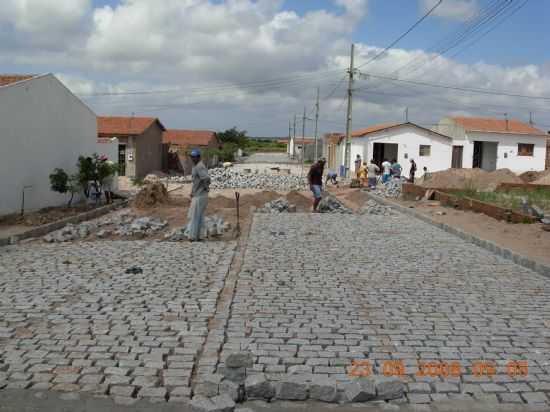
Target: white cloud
{"type": "Point", "coordinates": [461, 10]}
{"type": "Point", "coordinates": [196, 49]}
{"type": "Point", "coordinates": [35, 16]}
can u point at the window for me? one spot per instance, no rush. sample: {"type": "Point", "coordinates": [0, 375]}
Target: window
{"type": "Point", "coordinates": [525, 149]}
{"type": "Point", "coordinates": [425, 150]}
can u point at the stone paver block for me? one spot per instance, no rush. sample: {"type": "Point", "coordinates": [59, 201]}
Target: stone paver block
{"type": "Point", "coordinates": [292, 389]}
{"type": "Point", "coordinates": [257, 386]}
{"type": "Point", "coordinates": [360, 390]}
{"type": "Point", "coordinates": [323, 389]}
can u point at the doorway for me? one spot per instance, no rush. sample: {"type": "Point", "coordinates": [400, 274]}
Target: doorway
{"type": "Point", "coordinates": [383, 151]}
{"type": "Point", "coordinates": [458, 152]}
{"type": "Point", "coordinates": [122, 159]}
{"type": "Point", "coordinates": [485, 155]}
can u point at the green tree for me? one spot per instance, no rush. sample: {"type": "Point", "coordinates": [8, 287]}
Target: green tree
{"type": "Point", "coordinates": [61, 182]}
{"type": "Point", "coordinates": [237, 137]}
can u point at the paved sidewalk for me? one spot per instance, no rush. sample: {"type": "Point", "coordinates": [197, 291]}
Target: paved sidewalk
{"type": "Point", "coordinates": [72, 320]}
{"type": "Point", "coordinates": [317, 292]}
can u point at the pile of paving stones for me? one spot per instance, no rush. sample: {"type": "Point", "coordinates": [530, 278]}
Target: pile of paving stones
{"type": "Point", "coordinates": [329, 204]}
{"type": "Point", "coordinates": [372, 207]}
{"type": "Point", "coordinates": [233, 179]}
{"type": "Point", "coordinates": [391, 189]}
{"type": "Point", "coordinates": [124, 224]}
{"type": "Point", "coordinates": [280, 205]}
{"type": "Point", "coordinates": [222, 392]}
{"type": "Point", "coordinates": [213, 226]}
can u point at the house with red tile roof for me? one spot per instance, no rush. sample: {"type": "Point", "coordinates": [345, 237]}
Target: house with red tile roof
{"type": "Point", "coordinates": [490, 143]}
{"type": "Point", "coordinates": [181, 142]}
{"type": "Point", "coordinates": [140, 149]}
{"type": "Point", "coordinates": [43, 127]}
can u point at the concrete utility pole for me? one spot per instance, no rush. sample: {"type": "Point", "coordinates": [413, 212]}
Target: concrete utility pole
{"type": "Point", "coordinates": [289, 136]}
{"type": "Point", "coordinates": [303, 138]}
{"type": "Point", "coordinates": [531, 121]}
{"type": "Point", "coordinates": [349, 113]}
{"type": "Point", "coordinates": [294, 139]}
{"type": "Point", "coordinates": [316, 124]}
{"type": "Point", "coordinates": [406, 115]}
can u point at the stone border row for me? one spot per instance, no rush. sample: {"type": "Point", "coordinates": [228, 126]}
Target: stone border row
{"type": "Point", "coordinates": [517, 258]}
{"type": "Point", "coordinates": [59, 224]}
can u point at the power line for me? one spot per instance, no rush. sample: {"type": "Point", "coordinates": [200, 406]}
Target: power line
{"type": "Point", "coordinates": [424, 17]}
{"type": "Point", "coordinates": [463, 89]}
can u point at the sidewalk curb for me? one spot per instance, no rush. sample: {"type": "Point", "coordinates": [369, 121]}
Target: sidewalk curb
{"type": "Point", "coordinates": [51, 227]}
{"type": "Point", "coordinates": [527, 262]}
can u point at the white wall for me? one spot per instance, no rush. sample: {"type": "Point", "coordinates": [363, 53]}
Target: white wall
{"type": "Point", "coordinates": [507, 144]}
{"type": "Point", "coordinates": [110, 149]}
{"type": "Point", "coordinates": [409, 139]}
{"type": "Point", "coordinates": [43, 126]}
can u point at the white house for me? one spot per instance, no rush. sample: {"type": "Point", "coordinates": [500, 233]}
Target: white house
{"type": "Point", "coordinates": [495, 143]}
{"type": "Point", "coordinates": [402, 142]}
{"type": "Point", "coordinates": [43, 126]}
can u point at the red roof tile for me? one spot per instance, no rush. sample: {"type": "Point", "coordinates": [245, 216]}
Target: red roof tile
{"type": "Point", "coordinates": [189, 137]}
{"type": "Point", "coordinates": [124, 126]}
{"type": "Point", "coordinates": [6, 79]}
{"type": "Point", "coordinates": [372, 129]}
{"type": "Point", "coordinates": [490, 125]}
{"type": "Point", "coordinates": [305, 140]}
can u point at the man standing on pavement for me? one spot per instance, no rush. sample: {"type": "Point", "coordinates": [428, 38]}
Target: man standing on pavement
{"type": "Point", "coordinates": [199, 196]}
{"type": "Point", "coordinates": [315, 180]}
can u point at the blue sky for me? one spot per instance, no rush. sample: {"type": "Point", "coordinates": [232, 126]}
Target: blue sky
{"type": "Point", "coordinates": [192, 48]}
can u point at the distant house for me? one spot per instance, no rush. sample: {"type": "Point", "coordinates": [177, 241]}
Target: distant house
{"type": "Point", "coordinates": [491, 144]}
{"type": "Point", "coordinates": [181, 142]}
{"type": "Point", "coordinates": [304, 147]}
{"type": "Point", "coordinates": [402, 142]}
{"type": "Point", "coordinates": [331, 149]}
{"type": "Point", "coordinates": [140, 143]}
{"type": "Point", "coordinates": [43, 126]}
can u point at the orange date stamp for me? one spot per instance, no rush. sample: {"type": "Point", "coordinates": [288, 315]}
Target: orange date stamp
{"type": "Point", "coordinates": [433, 369]}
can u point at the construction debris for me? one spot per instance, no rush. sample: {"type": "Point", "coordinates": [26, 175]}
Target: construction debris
{"type": "Point", "coordinates": [213, 226]}
{"type": "Point", "coordinates": [330, 204]}
{"type": "Point", "coordinates": [280, 205]}
{"type": "Point", "coordinates": [228, 178]}
{"type": "Point", "coordinates": [390, 189]}
{"type": "Point", "coordinates": [124, 224]}
{"type": "Point", "coordinates": [374, 208]}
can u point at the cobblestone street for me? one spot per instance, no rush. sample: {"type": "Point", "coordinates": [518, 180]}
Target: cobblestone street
{"type": "Point", "coordinates": [314, 294]}
{"type": "Point", "coordinates": [319, 291]}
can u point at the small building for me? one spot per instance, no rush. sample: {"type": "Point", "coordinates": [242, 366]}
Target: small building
{"type": "Point", "coordinates": [181, 142]}
{"type": "Point", "coordinates": [491, 144]}
{"type": "Point", "coordinates": [402, 142]}
{"type": "Point", "coordinates": [43, 127]}
{"type": "Point", "coordinates": [304, 147]}
{"type": "Point", "coordinates": [139, 143]}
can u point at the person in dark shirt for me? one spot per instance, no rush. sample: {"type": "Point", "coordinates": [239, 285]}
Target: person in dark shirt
{"type": "Point", "coordinates": [412, 171]}
{"type": "Point", "coordinates": [315, 180]}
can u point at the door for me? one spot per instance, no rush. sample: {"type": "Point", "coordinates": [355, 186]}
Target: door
{"type": "Point", "coordinates": [478, 155]}
{"type": "Point", "coordinates": [456, 162]}
{"type": "Point", "coordinates": [122, 159]}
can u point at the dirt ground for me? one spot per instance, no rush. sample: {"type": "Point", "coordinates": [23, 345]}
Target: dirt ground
{"type": "Point", "coordinates": [223, 204]}
{"type": "Point", "coordinates": [526, 239]}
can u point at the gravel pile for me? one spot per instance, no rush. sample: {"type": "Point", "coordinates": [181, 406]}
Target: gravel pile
{"type": "Point", "coordinates": [233, 179]}
{"type": "Point", "coordinates": [123, 224]}
{"type": "Point", "coordinates": [213, 226]}
{"type": "Point", "coordinates": [330, 204]}
{"type": "Point", "coordinates": [280, 205]}
{"type": "Point", "coordinates": [374, 208]}
{"type": "Point", "coordinates": [391, 189]}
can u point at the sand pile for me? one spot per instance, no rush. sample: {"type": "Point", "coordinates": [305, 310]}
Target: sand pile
{"type": "Point", "coordinates": [150, 195]}
{"type": "Point", "coordinates": [477, 179]}
{"type": "Point", "coordinates": [544, 178]}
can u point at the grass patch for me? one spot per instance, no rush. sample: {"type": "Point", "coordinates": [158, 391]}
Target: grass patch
{"type": "Point", "coordinates": [510, 200]}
